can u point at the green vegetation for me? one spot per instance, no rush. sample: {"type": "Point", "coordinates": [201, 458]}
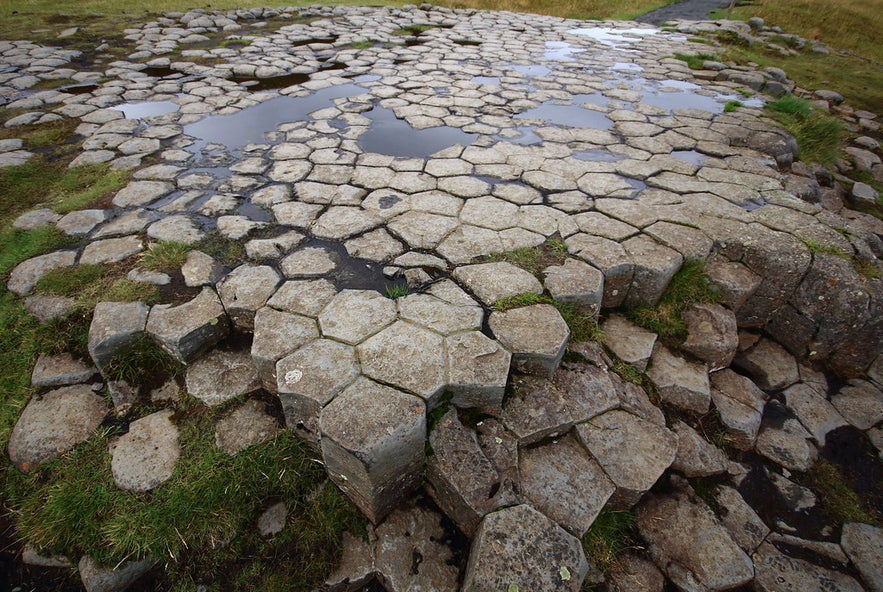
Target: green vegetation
{"type": "Point", "coordinates": [583, 326]}
{"type": "Point", "coordinates": [225, 251]}
{"type": "Point", "coordinates": [413, 30]}
{"type": "Point", "coordinates": [690, 285]}
{"type": "Point", "coordinates": [868, 269]}
{"type": "Point", "coordinates": [579, 9]}
{"type": "Point", "coordinates": [838, 499]}
{"type": "Point", "coordinates": [394, 291]}
{"type": "Point", "coordinates": [165, 256]}
{"type": "Point", "coordinates": [519, 300]}
{"type": "Point", "coordinates": [731, 106]}
{"type": "Point", "coordinates": [695, 61]}
{"type": "Point", "coordinates": [90, 284]}
{"type": "Point", "coordinates": [628, 372]}
{"type": "Point", "coordinates": [612, 533]}
{"type": "Point", "coordinates": [144, 362]}
{"type": "Point", "coordinates": [533, 259]}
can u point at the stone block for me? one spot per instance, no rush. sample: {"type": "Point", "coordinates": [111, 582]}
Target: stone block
{"type": "Point", "coordinates": [733, 281]}
{"type": "Point", "coordinates": [863, 544]}
{"type": "Point", "coordinates": [633, 452]}
{"type": "Point", "coordinates": [440, 315]}
{"type": "Point", "coordinates": [478, 371]}
{"type": "Point", "coordinates": [712, 334]}
{"type": "Point", "coordinates": [630, 343]}
{"type": "Point", "coordinates": [536, 335]}
{"type": "Point", "coordinates": [277, 334]}
{"type": "Point", "coordinates": [309, 378]}
{"type": "Point", "coordinates": [201, 270]}
{"type": "Point", "coordinates": [777, 572]}
{"type": "Point", "coordinates": [565, 483]}
{"type": "Point", "coordinates": [492, 281]}
{"type": "Point", "coordinates": [744, 525]}
{"type": "Point", "coordinates": [26, 274]}
{"type": "Point", "coordinates": [813, 410]}
{"type": "Point", "coordinates": [248, 425]}
{"type": "Point", "coordinates": [631, 572]}
{"type": "Point", "coordinates": [145, 456]}
{"type": "Point", "coordinates": [115, 328]}
{"type": "Point", "coordinates": [222, 375]}
{"type": "Point", "coordinates": [245, 290]}
{"type": "Point", "coordinates": [461, 479]}
{"type": "Point", "coordinates": [373, 445]}
{"type": "Point", "coordinates": [696, 456]}
{"type": "Point", "coordinates": [303, 297]}
{"type": "Point", "coordinates": [739, 405]}
{"type": "Point", "coordinates": [187, 330]}
{"type": "Point", "coordinates": [681, 383]}
{"type": "Point", "coordinates": [519, 548]}
{"type": "Point", "coordinates": [860, 403]}
{"type": "Point", "coordinates": [611, 259]}
{"type": "Point", "coordinates": [60, 370]}
{"type": "Point", "coordinates": [654, 266]}
{"type": "Point", "coordinates": [352, 316]}
{"type": "Point", "coordinates": [105, 579]}
{"type": "Point", "coordinates": [576, 283]}
{"type": "Point", "coordinates": [783, 440]}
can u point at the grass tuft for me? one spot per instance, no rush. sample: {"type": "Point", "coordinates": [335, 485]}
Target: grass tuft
{"type": "Point", "coordinates": [532, 259]}
{"type": "Point", "coordinates": [612, 533]}
{"type": "Point", "coordinates": [166, 256]}
{"type": "Point", "coordinates": [731, 106]}
{"type": "Point", "coordinates": [519, 300]}
{"type": "Point", "coordinates": [839, 500]}
{"type": "Point", "coordinates": [818, 135]}
{"type": "Point", "coordinates": [394, 291]}
{"type": "Point", "coordinates": [143, 362]}
{"type": "Point", "coordinates": [695, 61]}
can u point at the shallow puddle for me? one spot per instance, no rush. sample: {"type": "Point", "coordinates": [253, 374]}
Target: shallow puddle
{"type": "Point", "coordinates": [492, 80]}
{"type": "Point", "coordinates": [561, 51]}
{"type": "Point", "coordinates": [272, 83]}
{"type": "Point", "coordinates": [144, 109]}
{"type": "Point", "coordinates": [614, 37]}
{"type": "Point", "coordinates": [574, 115]}
{"type": "Point", "coordinates": [691, 156]}
{"type": "Point", "coordinates": [597, 155]}
{"type": "Point", "coordinates": [395, 137]}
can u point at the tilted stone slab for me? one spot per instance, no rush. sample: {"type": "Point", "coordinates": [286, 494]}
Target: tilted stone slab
{"type": "Point", "coordinates": [461, 479]}
{"type": "Point", "coordinates": [54, 423]}
{"type": "Point", "coordinates": [478, 371]}
{"type": "Point", "coordinates": [187, 330]}
{"type": "Point", "coordinates": [863, 544]}
{"type": "Point", "coordinates": [277, 334]}
{"type": "Point", "coordinates": [577, 283]}
{"type": "Point", "coordinates": [654, 266]}
{"type": "Point", "coordinates": [783, 439]}
{"type": "Point", "coordinates": [611, 259]}
{"type": "Point", "coordinates": [222, 375]}
{"type": "Point", "coordinates": [248, 425]}
{"type": "Point", "coordinates": [408, 357]}
{"type": "Point", "coordinates": [696, 456]}
{"type": "Point", "coordinates": [712, 334]}
{"type": "Point", "coordinates": [633, 452]}
{"type": "Point", "coordinates": [536, 335]}
{"type": "Point", "coordinates": [672, 524]}
{"type": "Point", "coordinates": [145, 456]}
{"type": "Point", "coordinates": [201, 270]}
{"type": "Point", "coordinates": [373, 445]}
{"type": "Point", "coordinates": [813, 410]}
{"type": "Point", "coordinates": [354, 315]}
{"type": "Point", "coordinates": [60, 370]}
{"type": "Point", "coordinates": [771, 367]}
{"type": "Point", "coordinates": [563, 482]}
{"type": "Point", "coordinates": [492, 281]}
{"type": "Point", "coordinates": [519, 548]}
{"type": "Point", "coordinates": [681, 383]}
{"type": "Point", "coordinates": [860, 403]}
{"type": "Point", "coordinates": [630, 342]}
{"type": "Point", "coordinates": [632, 572]}
{"type": "Point", "coordinates": [246, 289]}
{"type": "Point", "coordinates": [110, 250]}
{"type": "Point", "coordinates": [741, 521]}
{"type": "Point", "coordinates": [733, 281]}
{"type": "Point", "coordinates": [309, 379]}
{"type": "Point", "coordinates": [739, 405]}
{"type": "Point", "coordinates": [115, 328]}
{"type": "Point", "coordinates": [777, 572]}
{"type": "Point", "coordinates": [141, 193]}
{"type": "Point", "coordinates": [26, 274]}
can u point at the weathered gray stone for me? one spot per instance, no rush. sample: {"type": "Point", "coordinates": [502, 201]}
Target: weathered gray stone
{"type": "Point", "coordinates": [631, 572]}
{"type": "Point", "coordinates": [277, 334]}
{"type": "Point", "coordinates": [654, 266]}
{"type": "Point", "coordinates": [249, 425]}
{"type": "Point", "coordinates": [863, 544]}
{"type": "Point", "coordinates": [81, 221]}
{"type": "Point", "coordinates": [308, 262]}
{"type": "Point", "coordinates": [309, 379]}
{"type": "Point", "coordinates": [303, 297]}
{"type": "Point", "coordinates": [564, 483]}
{"type": "Point", "coordinates": [681, 383]}
{"type": "Point", "coordinates": [630, 343]}
{"type": "Point", "coordinates": [179, 229]}
{"type": "Point", "coordinates": [712, 334]}
{"type": "Point", "coordinates": [739, 405]}
{"type": "Point", "coordinates": [272, 520]}
{"type": "Point", "coordinates": [519, 548]}
{"type": "Point", "coordinates": [245, 290]}
{"type": "Point", "coordinates": [26, 274]}
{"type": "Point", "coordinates": [36, 219]}
{"type": "Point", "coordinates": [744, 525]}
{"type": "Point", "coordinates": [187, 330]}
{"type": "Point", "coordinates": [492, 281]}
{"type": "Point", "coordinates": [141, 193]}
{"type": "Point", "coordinates": [461, 479]}
{"type": "Point", "coordinates": [733, 281]}
{"type": "Point", "coordinates": [696, 456]}
{"type": "Point", "coordinates": [104, 579]}
{"type": "Point", "coordinates": [372, 445]}
{"type": "Point", "coordinates": [633, 452]}
{"type": "Point", "coordinates": [813, 410]}
{"type": "Point", "coordinates": [60, 370]}
{"type": "Point", "coordinates": [46, 307]}
{"type": "Point", "coordinates": [611, 259]}
{"type": "Point", "coordinates": [860, 403]}
{"type": "Point", "coordinates": [536, 335]}
{"type": "Point", "coordinates": [354, 315]}
{"type": "Point", "coordinates": [441, 315]}
{"type": "Point", "coordinates": [672, 525]}
{"type": "Point", "coordinates": [478, 371]}
{"type": "Point", "coordinates": [111, 250]}
{"type": "Point", "coordinates": [145, 456]}
{"type": "Point", "coordinates": [777, 572]}
{"type": "Point", "coordinates": [54, 423]}
{"type": "Point", "coordinates": [201, 270]}
{"type": "Point", "coordinates": [30, 556]}
{"type": "Point", "coordinates": [115, 327]}
{"type": "Point", "coordinates": [783, 440]}
{"type": "Point", "coordinates": [408, 357]}
{"type": "Point", "coordinates": [577, 283]}
{"type": "Point", "coordinates": [222, 375]}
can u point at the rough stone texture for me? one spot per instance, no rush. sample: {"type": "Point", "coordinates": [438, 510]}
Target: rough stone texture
{"type": "Point", "coordinates": [461, 479]}
{"type": "Point", "coordinates": [681, 383]}
{"type": "Point", "coordinates": [631, 572]}
{"type": "Point", "coordinates": [303, 297]}
{"type": "Point", "coordinates": [145, 456]}
{"type": "Point", "coordinates": [478, 371]}
{"type": "Point", "coordinates": [372, 445]}
{"type": "Point", "coordinates": [492, 281]}
{"type": "Point", "coordinates": [115, 327]}
{"type": "Point", "coordinates": [672, 524]}
{"type": "Point", "coordinates": [783, 440]}
{"type": "Point", "coordinates": [712, 335]}
{"type": "Point", "coordinates": [771, 367]}
{"type": "Point", "coordinates": [354, 315]}
{"type": "Point", "coordinates": [47, 307]}
{"type": "Point", "coordinates": [519, 547]}
{"type": "Point", "coordinates": [863, 544]}
{"type": "Point", "coordinates": [26, 274]}
{"type": "Point", "coordinates": [187, 330]}
{"type": "Point", "coordinates": [246, 289]}
{"type": "Point", "coordinates": [277, 334]}
{"type": "Point", "coordinates": [740, 520]}
{"type": "Point", "coordinates": [813, 410]}
{"type": "Point", "coordinates": [60, 370]}
{"type": "Point", "coordinates": [249, 425]}
{"type": "Point", "coordinates": [654, 266]}
{"type": "Point", "coordinates": [634, 453]}
{"type": "Point", "coordinates": [860, 403]}
{"type": "Point", "coordinates": [103, 579]}
{"type": "Point", "coordinates": [54, 423]}
{"type": "Point", "coordinates": [739, 405]}
{"type": "Point", "coordinates": [576, 282]}
{"type": "Point", "coordinates": [81, 221]}
{"type": "Point", "coordinates": [272, 520]}
{"type": "Point", "coordinates": [777, 572]}
{"type": "Point", "coordinates": [222, 375]}
{"type": "Point", "coordinates": [733, 281]}
{"type": "Point", "coordinates": [536, 335]}
{"type": "Point", "coordinates": [696, 456]}
{"type": "Point", "coordinates": [201, 270]}
{"type": "Point", "coordinates": [629, 342]}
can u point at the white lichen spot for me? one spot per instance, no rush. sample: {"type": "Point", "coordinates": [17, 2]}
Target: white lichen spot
{"type": "Point", "coordinates": [564, 573]}
{"type": "Point", "coordinates": [293, 376]}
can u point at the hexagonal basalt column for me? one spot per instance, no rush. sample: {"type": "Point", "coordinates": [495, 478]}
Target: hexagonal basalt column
{"type": "Point", "coordinates": [309, 379]}
{"type": "Point", "coordinates": [478, 369]}
{"type": "Point", "coordinates": [245, 290]}
{"type": "Point", "coordinates": [408, 357]}
{"type": "Point", "coordinates": [536, 335]}
{"type": "Point", "coordinates": [354, 315]}
{"type": "Point", "coordinates": [277, 334]}
{"type": "Point", "coordinates": [373, 445]}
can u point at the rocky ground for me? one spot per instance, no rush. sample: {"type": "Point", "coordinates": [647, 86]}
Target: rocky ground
{"type": "Point", "coordinates": [372, 147]}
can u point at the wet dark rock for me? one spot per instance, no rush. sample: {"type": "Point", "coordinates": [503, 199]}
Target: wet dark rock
{"type": "Point", "coordinates": [777, 572]}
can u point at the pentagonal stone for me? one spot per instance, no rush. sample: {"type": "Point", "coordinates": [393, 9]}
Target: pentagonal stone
{"type": "Point", "coordinates": [60, 370]}
{"type": "Point", "coordinates": [564, 483]}
{"type": "Point", "coordinates": [478, 370]}
{"type": "Point", "coordinates": [222, 375]}
{"type": "Point", "coordinates": [308, 262]}
{"type": "Point", "coordinates": [408, 357]}
{"type": "Point", "coordinates": [129, 223]}
{"type": "Point", "coordinates": [187, 330]}
{"type": "Point", "coordinates": [771, 367]}
{"type": "Point", "coordinates": [246, 289]}
{"type": "Point", "coordinates": [309, 378]}
{"type": "Point", "coordinates": [577, 283]}
{"type": "Point", "coordinates": [860, 403]}
{"type": "Point", "coordinates": [461, 479]}
{"type": "Point", "coordinates": [26, 274]}
{"type": "Point", "coordinates": [681, 383]}
{"type": "Point", "coordinates": [115, 327]}
{"type": "Point", "coordinates": [630, 343]}
{"type": "Point", "coordinates": [744, 525]}
{"type": "Point", "coordinates": [277, 334]}
{"type": "Point", "coordinates": [180, 229]}
{"type": "Point", "coordinates": [341, 222]}
{"type": "Point", "coordinates": [145, 456]}
{"type": "Point", "coordinates": [54, 423]}
{"type": "Point", "coordinates": [81, 221]}
{"type": "Point", "coordinates": [422, 230]}
{"type": "Point", "coordinates": [520, 548]}
{"type": "Point", "coordinates": [249, 425]}
{"type": "Point", "coordinates": [655, 265]}
{"type": "Point", "coordinates": [633, 452]}
{"type": "Point", "coordinates": [373, 445]}
{"type": "Point", "coordinates": [110, 250]}
{"type": "Point", "coordinates": [863, 544]}
{"type": "Point", "coordinates": [201, 270]}
{"type": "Point", "coordinates": [783, 440]}
{"type": "Point", "coordinates": [303, 297]}
{"type": "Point", "coordinates": [376, 246]}
{"type": "Point", "coordinates": [776, 572]}
{"type": "Point", "coordinates": [536, 335]}
{"type": "Point", "coordinates": [442, 317]}
{"type": "Point", "coordinates": [712, 334]}
{"type": "Point", "coordinates": [696, 456]}
{"type": "Point", "coordinates": [813, 410]}
{"type": "Point", "coordinates": [739, 405]}
{"type": "Point", "coordinates": [492, 281]}
{"type": "Point", "coordinates": [354, 315]}
{"type": "Point", "coordinates": [141, 193]}
{"type": "Point", "coordinates": [611, 259]}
